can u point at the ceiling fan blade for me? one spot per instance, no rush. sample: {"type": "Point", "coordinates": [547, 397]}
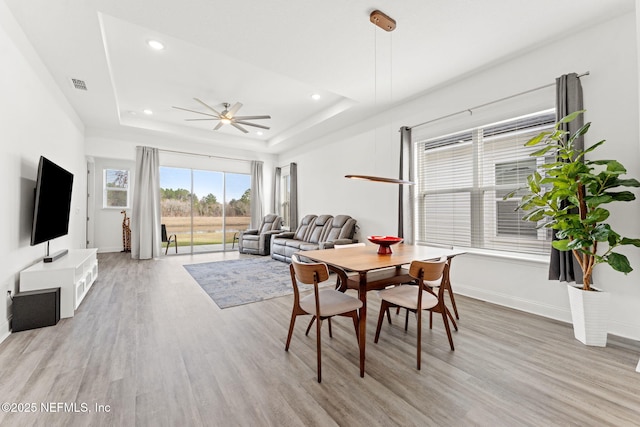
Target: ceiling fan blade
{"type": "Point", "coordinates": [240, 122]}
{"type": "Point", "coordinates": [234, 109]}
{"type": "Point", "coordinates": [209, 107]}
{"type": "Point", "coordinates": [194, 111]}
{"type": "Point", "coordinates": [240, 128]}
{"type": "Point", "coordinates": [193, 120]}
{"type": "Point", "coordinates": [251, 117]}
{"type": "Point", "coordinates": [218, 126]}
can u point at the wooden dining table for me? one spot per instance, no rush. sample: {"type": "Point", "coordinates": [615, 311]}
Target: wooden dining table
{"type": "Point", "coordinates": [375, 271]}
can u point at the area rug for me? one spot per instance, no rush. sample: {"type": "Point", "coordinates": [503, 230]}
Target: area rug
{"type": "Point", "coordinates": [244, 281]}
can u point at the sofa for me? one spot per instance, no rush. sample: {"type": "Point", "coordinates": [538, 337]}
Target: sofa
{"type": "Point", "coordinates": [258, 241]}
{"type": "Point", "coordinates": [314, 232]}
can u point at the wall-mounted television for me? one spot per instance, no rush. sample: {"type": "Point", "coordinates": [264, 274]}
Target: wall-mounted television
{"type": "Point", "coordinates": [52, 202]}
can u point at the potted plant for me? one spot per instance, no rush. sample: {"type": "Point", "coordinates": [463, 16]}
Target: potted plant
{"type": "Point", "coordinates": [569, 195]}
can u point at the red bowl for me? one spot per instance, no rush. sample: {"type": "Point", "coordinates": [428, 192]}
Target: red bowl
{"type": "Point", "coordinates": [385, 242]}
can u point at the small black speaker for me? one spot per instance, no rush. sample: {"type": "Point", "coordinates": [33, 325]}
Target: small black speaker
{"type": "Point", "coordinates": [35, 309]}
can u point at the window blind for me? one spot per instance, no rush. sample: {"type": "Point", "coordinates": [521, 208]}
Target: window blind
{"type": "Point", "coordinates": [463, 177]}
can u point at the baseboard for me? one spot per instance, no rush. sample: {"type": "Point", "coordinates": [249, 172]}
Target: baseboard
{"type": "Point", "coordinates": [562, 314]}
{"type": "Point", "coordinates": [522, 304]}
{"type": "Point", "coordinates": [4, 330]}
{"type": "Point", "coordinates": [109, 249]}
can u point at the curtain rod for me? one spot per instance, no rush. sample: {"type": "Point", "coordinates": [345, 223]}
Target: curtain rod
{"type": "Point", "coordinates": [202, 155]}
{"type": "Point", "coordinates": [470, 110]}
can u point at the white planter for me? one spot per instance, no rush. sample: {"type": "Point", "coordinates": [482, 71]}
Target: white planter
{"type": "Point", "coordinates": [590, 314]}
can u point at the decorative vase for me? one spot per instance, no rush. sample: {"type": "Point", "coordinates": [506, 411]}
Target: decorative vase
{"type": "Point", "coordinates": [590, 315]}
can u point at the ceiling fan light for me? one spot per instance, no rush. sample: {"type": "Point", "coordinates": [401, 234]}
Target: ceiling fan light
{"type": "Point", "coordinates": [315, 96]}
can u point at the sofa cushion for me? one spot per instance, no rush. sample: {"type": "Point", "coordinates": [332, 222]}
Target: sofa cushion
{"type": "Point", "coordinates": [341, 227]}
{"type": "Point", "coordinates": [309, 246]}
{"type": "Point", "coordinates": [318, 228]}
{"type": "Point", "coordinates": [304, 228]}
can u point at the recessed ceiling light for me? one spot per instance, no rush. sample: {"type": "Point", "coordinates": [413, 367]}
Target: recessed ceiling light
{"type": "Point", "coordinates": [155, 44]}
{"type": "Point", "coordinates": [148, 112]}
{"type": "Point", "coordinates": [315, 96]}
{"type": "Point", "coordinates": [259, 133]}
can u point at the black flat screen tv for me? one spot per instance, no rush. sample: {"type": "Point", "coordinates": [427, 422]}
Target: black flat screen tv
{"type": "Point", "coordinates": [52, 202]}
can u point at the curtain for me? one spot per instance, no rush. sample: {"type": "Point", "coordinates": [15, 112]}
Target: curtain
{"type": "Point", "coordinates": [146, 240]}
{"type": "Point", "coordinates": [275, 196]}
{"type": "Point", "coordinates": [406, 193]}
{"type": "Point", "coordinates": [293, 198]}
{"type": "Point", "coordinates": [563, 265]}
{"type": "Point", "coordinates": [256, 194]}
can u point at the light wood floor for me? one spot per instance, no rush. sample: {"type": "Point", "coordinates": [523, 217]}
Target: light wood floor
{"type": "Point", "coordinates": [151, 344]}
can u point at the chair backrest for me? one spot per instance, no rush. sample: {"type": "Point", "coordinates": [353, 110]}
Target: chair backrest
{"type": "Point", "coordinates": [270, 222]}
{"type": "Point", "coordinates": [429, 271]}
{"type": "Point", "coordinates": [340, 227]}
{"type": "Point", "coordinates": [304, 227]}
{"type": "Point", "coordinates": [309, 273]}
{"type": "Point", "coordinates": [318, 229]}
{"type": "Point", "coordinates": [163, 232]}
{"type": "Point", "coordinates": [349, 245]}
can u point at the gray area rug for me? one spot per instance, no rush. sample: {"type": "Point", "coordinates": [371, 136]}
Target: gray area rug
{"type": "Point", "coordinates": [243, 281]}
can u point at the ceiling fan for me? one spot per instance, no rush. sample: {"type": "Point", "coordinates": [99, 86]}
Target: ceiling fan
{"type": "Point", "coordinates": [227, 116]}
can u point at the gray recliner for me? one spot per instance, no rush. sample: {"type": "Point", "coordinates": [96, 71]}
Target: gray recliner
{"type": "Point", "coordinates": [314, 232]}
{"type": "Point", "coordinates": [258, 241]}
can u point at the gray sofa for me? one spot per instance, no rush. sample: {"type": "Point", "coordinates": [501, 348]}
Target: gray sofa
{"type": "Point", "coordinates": [258, 241]}
{"type": "Point", "coordinates": [314, 232]}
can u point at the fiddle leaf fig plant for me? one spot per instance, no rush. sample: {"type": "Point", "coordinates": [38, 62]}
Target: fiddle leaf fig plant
{"type": "Point", "coordinates": [569, 195]}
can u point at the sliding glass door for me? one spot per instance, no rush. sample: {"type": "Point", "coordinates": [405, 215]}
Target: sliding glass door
{"type": "Point", "coordinates": [204, 209]}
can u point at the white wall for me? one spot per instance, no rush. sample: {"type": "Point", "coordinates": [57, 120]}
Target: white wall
{"type": "Point", "coordinates": [107, 222]}
{"type": "Point", "coordinates": [608, 51]}
{"type": "Point", "coordinates": [111, 150]}
{"type": "Point", "coordinates": [36, 120]}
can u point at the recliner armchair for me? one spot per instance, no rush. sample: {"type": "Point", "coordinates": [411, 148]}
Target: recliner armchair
{"type": "Point", "coordinates": [258, 241]}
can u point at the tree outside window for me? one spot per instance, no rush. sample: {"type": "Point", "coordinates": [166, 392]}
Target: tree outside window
{"type": "Point", "coordinates": [116, 189]}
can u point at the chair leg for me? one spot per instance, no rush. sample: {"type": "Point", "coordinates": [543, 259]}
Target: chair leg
{"type": "Point", "coordinates": [430, 319]}
{"type": "Point", "coordinates": [166, 251]}
{"type": "Point", "coordinates": [446, 326]}
{"type": "Point", "coordinates": [419, 356]}
{"type": "Point", "coordinates": [330, 332]}
{"type": "Point", "coordinates": [319, 349]}
{"type": "Point", "coordinates": [175, 241]}
{"type": "Point", "coordinates": [310, 324]}
{"type": "Point", "coordinates": [291, 325]}
{"type": "Point", "coordinates": [384, 307]}
{"type": "Point", "coordinates": [354, 316]}
{"type": "Point", "coordinates": [451, 317]}
{"type": "Point", "coordinates": [389, 315]}
{"type": "Point", "coordinates": [453, 302]}
{"type": "Point", "coordinates": [406, 321]}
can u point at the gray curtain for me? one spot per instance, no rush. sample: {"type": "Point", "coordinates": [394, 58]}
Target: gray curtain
{"type": "Point", "coordinates": [256, 194]}
{"type": "Point", "coordinates": [293, 198]}
{"type": "Point", "coordinates": [146, 240]}
{"type": "Point", "coordinates": [406, 192]}
{"type": "Point", "coordinates": [563, 265]}
{"type": "Point", "coordinates": [275, 205]}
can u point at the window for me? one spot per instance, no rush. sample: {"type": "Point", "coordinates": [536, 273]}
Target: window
{"type": "Point", "coordinates": [115, 189]}
{"type": "Point", "coordinates": [463, 177]}
{"type": "Point", "coordinates": [285, 198]}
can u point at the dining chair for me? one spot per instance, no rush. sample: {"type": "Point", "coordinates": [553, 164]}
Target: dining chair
{"type": "Point", "coordinates": [168, 239]}
{"type": "Point", "coordinates": [447, 284]}
{"type": "Point", "coordinates": [322, 303]}
{"type": "Point", "coordinates": [419, 297]}
{"type": "Point", "coordinates": [352, 245]}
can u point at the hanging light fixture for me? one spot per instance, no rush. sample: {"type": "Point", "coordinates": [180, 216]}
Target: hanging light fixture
{"type": "Point", "coordinates": [388, 24]}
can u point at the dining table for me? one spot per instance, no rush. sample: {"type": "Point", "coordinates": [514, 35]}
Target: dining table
{"type": "Point", "coordinates": [374, 271]}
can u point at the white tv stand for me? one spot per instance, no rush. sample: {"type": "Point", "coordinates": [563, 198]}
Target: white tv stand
{"type": "Point", "coordinates": [74, 273]}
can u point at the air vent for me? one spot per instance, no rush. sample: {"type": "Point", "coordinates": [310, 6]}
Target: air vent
{"type": "Point", "coordinates": [79, 84]}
